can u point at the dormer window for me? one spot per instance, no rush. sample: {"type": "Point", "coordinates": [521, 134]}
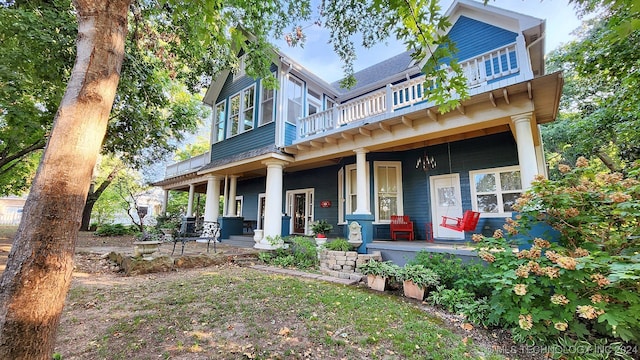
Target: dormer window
{"type": "Point", "coordinates": [241, 70]}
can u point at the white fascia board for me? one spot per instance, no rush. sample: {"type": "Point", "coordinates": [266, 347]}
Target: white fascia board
{"type": "Point", "coordinates": [215, 87]}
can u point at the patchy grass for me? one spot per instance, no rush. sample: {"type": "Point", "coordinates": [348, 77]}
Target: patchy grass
{"type": "Point", "coordinates": [235, 313]}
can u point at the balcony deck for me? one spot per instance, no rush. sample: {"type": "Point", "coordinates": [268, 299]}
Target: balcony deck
{"type": "Point", "coordinates": [492, 70]}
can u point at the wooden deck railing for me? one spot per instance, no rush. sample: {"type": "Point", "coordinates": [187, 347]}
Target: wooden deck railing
{"type": "Point", "coordinates": [479, 70]}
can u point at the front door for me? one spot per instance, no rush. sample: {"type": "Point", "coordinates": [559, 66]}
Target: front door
{"type": "Point", "coordinates": [445, 201]}
{"type": "Point", "coordinates": [300, 206]}
{"type": "Point", "coordinates": [300, 214]}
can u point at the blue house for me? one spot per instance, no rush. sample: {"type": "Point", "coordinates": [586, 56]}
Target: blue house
{"type": "Point", "coordinates": [311, 150]}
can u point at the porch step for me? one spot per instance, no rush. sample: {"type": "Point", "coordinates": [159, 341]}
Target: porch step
{"type": "Point", "coordinates": [240, 241]}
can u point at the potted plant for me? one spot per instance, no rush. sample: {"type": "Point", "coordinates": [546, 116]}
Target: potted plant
{"type": "Point", "coordinates": [320, 229]}
{"type": "Point", "coordinates": [416, 279]}
{"type": "Point", "coordinates": [378, 273]}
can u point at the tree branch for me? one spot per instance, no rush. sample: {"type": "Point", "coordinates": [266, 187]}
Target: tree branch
{"type": "Point", "coordinates": [29, 149]}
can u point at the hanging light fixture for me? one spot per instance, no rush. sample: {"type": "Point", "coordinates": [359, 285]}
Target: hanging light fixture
{"type": "Point", "coordinates": [426, 162]}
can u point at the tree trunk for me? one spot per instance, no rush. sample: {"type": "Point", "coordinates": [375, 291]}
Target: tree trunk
{"type": "Point", "coordinates": [93, 196]}
{"type": "Point", "coordinates": [37, 277]}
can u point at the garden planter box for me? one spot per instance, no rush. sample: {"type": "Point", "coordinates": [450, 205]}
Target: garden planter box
{"type": "Point", "coordinates": [412, 290]}
{"type": "Point", "coordinates": [378, 283]}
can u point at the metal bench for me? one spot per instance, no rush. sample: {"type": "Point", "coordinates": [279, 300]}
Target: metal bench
{"type": "Point", "coordinates": [212, 236]}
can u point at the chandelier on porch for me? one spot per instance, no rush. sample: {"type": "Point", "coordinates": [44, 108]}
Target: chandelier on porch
{"type": "Point", "coordinates": [426, 162]}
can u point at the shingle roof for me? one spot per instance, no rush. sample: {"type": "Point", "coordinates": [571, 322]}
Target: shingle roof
{"type": "Point", "coordinates": [379, 71]}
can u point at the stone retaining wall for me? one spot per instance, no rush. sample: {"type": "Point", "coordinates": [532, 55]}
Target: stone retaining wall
{"type": "Point", "coordinates": [344, 264]}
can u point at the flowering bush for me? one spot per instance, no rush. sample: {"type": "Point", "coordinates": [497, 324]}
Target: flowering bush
{"type": "Point", "coordinates": [587, 283]}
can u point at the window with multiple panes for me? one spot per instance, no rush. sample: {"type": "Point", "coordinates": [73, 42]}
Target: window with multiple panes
{"type": "Point", "coordinates": [266, 105]}
{"type": "Point", "coordinates": [294, 99]}
{"type": "Point", "coordinates": [494, 191]}
{"type": "Point", "coordinates": [241, 70]}
{"type": "Point", "coordinates": [241, 110]}
{"type": "Point", "coordinates": [314, 102]}
{"type": "Point", "coordinates": [388, 189]}
{"type": "Point", "coordinates": [219, 117]}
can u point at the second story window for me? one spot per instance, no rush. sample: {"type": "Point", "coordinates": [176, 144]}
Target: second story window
{"type": "Point", "coordinates": [314, 104]}
{"type": "Point", "coordinates": [218, 122]}
{"type": "Point", "coordinates": [294, 99]}
{"type": "Point", "coordinates": [241, 70]}
{"type": "Point", "coordinates": [241, 110]}
{"type": "Point", "coordinates": [266, 110]}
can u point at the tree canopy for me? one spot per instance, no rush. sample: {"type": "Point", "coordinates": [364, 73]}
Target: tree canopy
{"type": "Point", "coordinates": [600, 107]}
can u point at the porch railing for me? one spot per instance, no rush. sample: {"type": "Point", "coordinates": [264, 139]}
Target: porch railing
{"type": "Point", "coordinates": [188, 165]}
{"type": "Point", "coordinates": [479, 70]}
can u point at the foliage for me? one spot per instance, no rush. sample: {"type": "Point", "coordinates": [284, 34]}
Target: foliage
{"type": "Point", "coordinates": [169, 221]}
{"type": "Point", "coordinates": [338, 244]}
{"type": "Point", "coordinates": [454, 300]}
{"type": "Point", "coordinates": [448, 266]}
{"type": "Point", "coordinates": [587, 282]}
{"type": "Point", "coordinates": [321, 227]}
{"type": "Point", "coordinates": [419, 275]}
{"type": "Point", "coordinates": [379, 268]}
{"type": "Point", "coordinates": [114, 230]}
{"type": "Point", "coordinates": [599, 95]}
{"type": "Point", "coordinates": [476, 311]}
{"type": "Point", "coordinates": [301, 254]}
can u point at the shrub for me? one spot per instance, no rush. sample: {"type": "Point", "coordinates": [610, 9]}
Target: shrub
{"type": "Point", "coordinates": [114, 230]}
{"type": "Point", "coordinates": [454, 300]}
{"type": "Point", "coordinates": [587, 283]}
{"type": "Point", "coordinates": [338, 245]}
{"type": "Point", "coordinates": [301, 254]}
{"type": "Point", "coordinates": [419, 275]}
{"type": "Point", "coordinates": [453, 273]}
{"type": "Point", "coordinates": [379, 268]}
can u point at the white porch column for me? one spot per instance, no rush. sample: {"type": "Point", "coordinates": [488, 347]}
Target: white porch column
{"type": "Point", "coordinates": [192, 191]}
{"type": "Point", "coordinates": [231, 208]}
{"type": "Point", "coordinates": [362, 203]}
{"type": "Point", "coordinates": [211, 211]}
{"type": "Point", "coordinates": [273, 204]}
{"type": "Point", "coordinates": [526, 149]}
{"type": "Point", "coordinates": [165, 202]}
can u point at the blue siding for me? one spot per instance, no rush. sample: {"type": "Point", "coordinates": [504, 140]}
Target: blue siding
{"type": "Point", "coordinates": [289, 133]}
{"type": "Point", "coordinates": [479, 153]}
{"type": "Point", "coordinates": [250, 189]}
{"type": "Point", "coordinates": [229, 88]}
{"type": "Point", "coordinates": [250, 140]}
{"type": "Point", "coordinates": [473, 37]}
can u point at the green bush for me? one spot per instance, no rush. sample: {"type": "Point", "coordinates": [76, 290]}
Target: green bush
{"type": "Point", "coordinates": [379, 268]}
{"type": "Point", "coordinates": [114, 230]}
{"type": "Point", "coordinates": [453, 273]}
{"type": "Point", "coordinates": [301, 254]}
{"type": "Point", "coordinates": [419, 275]}
{"type": "Point", "coordinates": [585, 285]}
{"type": "Point", "coordinates": [338, 244]}
{"type": "Point", "coordinates": [454, 300]}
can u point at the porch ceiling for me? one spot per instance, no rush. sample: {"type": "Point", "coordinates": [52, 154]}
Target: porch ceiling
{"type": "Point", "coordinates": [482, 114]}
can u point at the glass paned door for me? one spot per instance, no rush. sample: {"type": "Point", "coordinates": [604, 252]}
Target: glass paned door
{"type": "Point", "coordinates": [445, 201]}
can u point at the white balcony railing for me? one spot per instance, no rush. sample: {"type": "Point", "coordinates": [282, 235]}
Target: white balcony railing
{"type": "Point", "coordinates": [187, 166]}
{"type": "Point", "coordinates": [478, 70]}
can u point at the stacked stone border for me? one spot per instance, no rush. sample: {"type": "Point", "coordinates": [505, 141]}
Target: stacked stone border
{"type": "Point", "coordinates": [344, 264]}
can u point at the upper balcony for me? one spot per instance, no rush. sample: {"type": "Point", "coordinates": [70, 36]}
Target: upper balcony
{"type": "Point", "coordinates": [186, 166]}
{"type": "Point", "coordinates": [483, 72]}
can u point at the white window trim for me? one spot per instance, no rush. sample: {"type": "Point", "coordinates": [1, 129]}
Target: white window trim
{"type": "Point", "coordinates": [241, 111]}
{"type": "Point", "coordinates": [346, 185]}
{"type": "Point", "coordinates": [286, 98]}
{"type": "Point", "coordinates": [214, 127]}
{"type": "Point", "coordinates": [341, 200]}
{"type": "Point", "coordinates": [242, 68]}
{"type": "Point", "coordinates": [398, 166]}
{"type": "Point", "coordinates": [262, 99]}
{"type": "Point", "coordinates": [239, 208]}
{"type": "Point", "coordinates": [474, 194]}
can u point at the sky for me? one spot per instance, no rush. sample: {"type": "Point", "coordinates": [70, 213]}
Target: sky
{"type": "Point", "coordinates": [319, 57]}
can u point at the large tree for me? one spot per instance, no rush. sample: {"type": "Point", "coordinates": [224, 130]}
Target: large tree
{"type": "Point", "coordinates": [153, 106]}
{"type": "Point", "coordinates": [600, 94]}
